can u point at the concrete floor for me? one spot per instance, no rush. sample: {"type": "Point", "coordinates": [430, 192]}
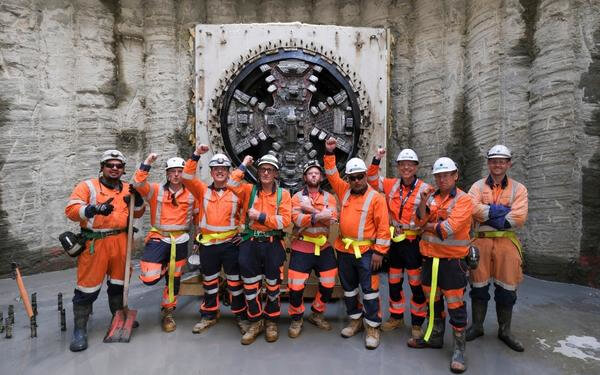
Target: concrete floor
{"type": "Point", "coordinates": [558, 323]}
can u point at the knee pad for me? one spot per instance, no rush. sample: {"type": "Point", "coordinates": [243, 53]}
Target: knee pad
{"type": "Point", "coordinates": [480, 293]}
{"type": "Point", "coordinates": [504, 297]}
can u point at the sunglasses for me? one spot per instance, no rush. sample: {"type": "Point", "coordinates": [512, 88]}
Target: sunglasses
{"type": "Point", "coordinates": [114, 166]}
{"type": "Point", "coordinates": [266, 170]}
{"type": "Point", "coordinates": [356, 177]}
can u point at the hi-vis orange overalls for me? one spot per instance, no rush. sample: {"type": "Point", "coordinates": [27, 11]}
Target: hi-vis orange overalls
{"type": "Point", "coordinates": [499, 248]}
{"type": "Point", "coordinates": [364, 229]}
{"type": "Point", "coordinates": [310, 250]}
{"type": "Point", "coordinates": [218, 225]}
{"type": "Point", "coordinates": [402, 202]}
{"type": "Point", "coordinates": [104, 254]}
{"type": "Point", "coordinates": [450, 244]}
{"type": "Point", "coordinates": [171, 216]}
{"type": "Point", "coordinates": [262, 251]}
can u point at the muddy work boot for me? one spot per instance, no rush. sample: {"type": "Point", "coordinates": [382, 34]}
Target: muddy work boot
{"type": "Point", "coordinates": [504, 314]}
{"type": "Point", "coordinates": [436, 340]}
{"type": "Point", "coordinates": [271, 332]}
{"type": "Point", "coordinates": [478, 311]}
{"type": "Point", "coordinates": [458, 364]}
{"type": "Point", "coordinates": [81, 314]}
{"type": "Point", "coordinates": [318, 319]}
{"type": "Point", "coordinates": [416, 332]}
{"type": "Point", "coordinates": [167, 321]}
{"type": "Point", "coordinates": [243, 324]}
{"type": "Point", "coordinates": [392, 323]}
{"type": "Point", "coordinates": [204, 324]}
{"type": "Point", "coordinates": [253, 331]}
{"type": "Point", "coordinates": [354, 327]}
{"type": "Point", "coordinates": [295, 328]}
{"type": "Point", "coordinates": [372, 337]}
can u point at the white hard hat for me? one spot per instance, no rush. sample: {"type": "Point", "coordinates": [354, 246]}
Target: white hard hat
{"type": "Point", "coordinates": [355, 165]}
{"type": "Point", "coordinates": [113, 155]}
{"type": "Point", "coordinates": [268, 159]}
{"type": "Point", "coordinates": [219, 160]}
{"type": "Point", "coordinates": [175, 162]}
{"type": "Point", "coordinates": [407, 154]}
{"type": "Point", "coordinates": [499, 151]}
{"type": "Point", "coordinates": [444, 165]}
{"type": "Point", "coordinates": [309, 164]}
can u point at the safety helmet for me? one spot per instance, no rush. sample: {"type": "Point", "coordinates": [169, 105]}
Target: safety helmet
{"type": "Point", "coordinates": [113, 155]}
{"type": "Point", "coordinates": [355, 165]}
{"type": "Point", "coordinates": [498, 152]}
{"type": "Point", "coordinates": [444, 165]}
{"type": "Point", "coordinates": [175, 162]}
{"type": "Point", "coordinates": [219, 160]}
{"type": "Point", "coordinates": [407, 154]}
{"type": "Point", "coordinates": [268, 159]}
{"type": "Point", "coordinates": [309, 164]}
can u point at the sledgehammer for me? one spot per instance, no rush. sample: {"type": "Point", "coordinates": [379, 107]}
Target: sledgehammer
{"type": "Point", "coordinates": [22, 290]}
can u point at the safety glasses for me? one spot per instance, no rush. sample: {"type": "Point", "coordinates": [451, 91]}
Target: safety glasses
{"type": "Point", "coordinates": [114, 165]}
{"type": "Point", "coordinates": [356, 177]}
{"type": "Point", "coordinates": [266, 170]}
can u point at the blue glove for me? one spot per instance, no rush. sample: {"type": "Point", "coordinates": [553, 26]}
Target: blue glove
{"type": "Point", "coordinates": [498, 216]}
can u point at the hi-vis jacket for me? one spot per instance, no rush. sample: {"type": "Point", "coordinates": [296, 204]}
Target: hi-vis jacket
{"type": "Point", "coordinates": [452, 215]}
{"type": "Point", "coordinates": [402, 201]}
{"type": "Point", "coordinates": [509, 193]}
{"type": "Point", "coordinates": [92, 192]}
{"type": "Point", "coordinates": [272, 217]}
{"type": "Point", "coordinates": [304, 223]}
{"type": "Point", "coordinates": [170, 213]}
{"type": "Point", "coordinates": [220, 212]}
{"type": "Point", "coordinates": [362, 217]}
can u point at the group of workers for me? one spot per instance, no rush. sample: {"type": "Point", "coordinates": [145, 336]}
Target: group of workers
{"type": "Point", "coordinates": [402, 222]}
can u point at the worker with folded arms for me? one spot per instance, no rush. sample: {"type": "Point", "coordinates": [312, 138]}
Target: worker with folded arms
{"type": "Point", "coordinates": [364, 238]}
{"type": "Point", "coordinates": [445, 217]}
{"type": "Point", "coordinates": [101, 207]}
{"type": "Point", "coordinates": [500, 208]}
{"type": "Point", "coordinates": [218, 239]}
{"type": "Point", "coordinates": [172, 211]}
{"type": "Point", "coordinates": [313, 211]}
{"type": "Point", "coordinates": [402, 196]}
{"type": "Point", "coordinates": [266, 212]}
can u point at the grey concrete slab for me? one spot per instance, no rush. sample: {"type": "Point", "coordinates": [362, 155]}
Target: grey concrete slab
{"type": "Point", "coordinates": [558, 323]}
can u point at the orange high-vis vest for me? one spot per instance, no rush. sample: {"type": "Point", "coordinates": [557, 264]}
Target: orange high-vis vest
{"type": "Point", "coordinates": [277, 218]}
{"type": "Point", "coordinates": [452, 216]}
{"type": "Point", "coordinates": [303, 225]}
{"type": "Point", "coordinates": [220, 212]}
{"type": "Point", "coordinates": [362, 217]}
{"type": "Point", "coordinates": [401, 200]}
{"type": "Point", "coordinates": [164, 215]}
{"type": "Point", "coordinates": [510, 193]}
{"type": "Point", "coordinates": [92, 192]}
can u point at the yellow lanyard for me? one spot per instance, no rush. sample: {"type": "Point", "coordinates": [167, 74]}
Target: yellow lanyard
{"type": "Point", "coordinates": [206, 238]}
{"type": "Point", "coordinates": [434, 276]}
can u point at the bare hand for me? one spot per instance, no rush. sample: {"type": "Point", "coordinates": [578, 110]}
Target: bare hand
{"type": "Point", "coordinates": [253, 214]}
{"type": "Point", "coordinates": [380, 152]}
{"type": "Point", "coordinates": [376, 261]}
{"type": "Point", "coordinates": [306, 205]}
{"type": "Point", "coordinates": [330, 144]}
{"type": "Point", "coordinates": [425, 194]}
{"type": "Point", "coordinates": [248, 160]}
{"type": "Point", "coordinates": [325, 214]}
{"type": "Point", "coordinates": [201, 149]}
{"type": "Point", "coordinates": [151, 159]}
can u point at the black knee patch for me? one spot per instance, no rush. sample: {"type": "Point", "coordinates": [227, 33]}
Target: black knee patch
{"type": "Point", "coordinates": [480, 293]}
{"type": "Point", "coordinates": [81, 298]}
{"type": "Point", "coordinates": [504, 297]}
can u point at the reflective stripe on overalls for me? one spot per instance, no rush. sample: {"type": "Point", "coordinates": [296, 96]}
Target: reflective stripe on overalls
{"type": "Point", "coordinates": [359, 241]}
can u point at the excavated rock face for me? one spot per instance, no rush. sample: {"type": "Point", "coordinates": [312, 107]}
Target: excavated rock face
{"type": "Point", "coordinates": [79, 77]}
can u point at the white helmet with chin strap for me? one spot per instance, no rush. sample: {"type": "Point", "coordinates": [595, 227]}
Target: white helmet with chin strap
{"type": "Point", "coordinates": [407, 154]}
{"type": "Point", "coordinates": [219, 160]}
{"type": "Point", "coordinates": [444, 165]}
{"type": "Point", "coordinates": [355, 165]}
{"type": "Point", "coordinates": [175, 162]}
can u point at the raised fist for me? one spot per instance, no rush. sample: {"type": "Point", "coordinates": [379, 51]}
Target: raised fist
{"type": "Point", "coordinates": [380, 152]}
{"type": "Point", "coordinates": [330, 144]}
{"type": "Point", "coordinates": [248, 160]}
{"type": "Point", "coordinates": [151, 159]}
{"type": "Point", "coordinates": [201, 149]}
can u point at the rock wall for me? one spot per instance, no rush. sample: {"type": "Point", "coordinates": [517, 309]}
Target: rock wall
{"type": "Point", "coordinates": [78, 77]}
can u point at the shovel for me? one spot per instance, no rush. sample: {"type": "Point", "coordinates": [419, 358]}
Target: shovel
{"type": "Point", "coordinates": [122, 323]}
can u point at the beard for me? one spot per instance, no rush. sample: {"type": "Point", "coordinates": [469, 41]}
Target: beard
{"type": "Point", "coordinates": [312, 184]}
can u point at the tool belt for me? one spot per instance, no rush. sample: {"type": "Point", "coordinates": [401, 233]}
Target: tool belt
{"type": "Point", "coordinates": [355, 245]}
{"type": "Point", "coordinates": [89, 234]}
{"type": "Point", "coordinates": [260, 236]}
{"type": "Point", "coordinates": [206, 238]}
{"type": "Point", "coordinates": [402, 236]}
{"type": "Point", "coordinates": [317, 241]}
{"type": "Point", "coordinates": [503, 234]}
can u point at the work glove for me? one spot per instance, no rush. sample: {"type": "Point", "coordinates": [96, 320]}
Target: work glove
{"type": "Point", "coordinates": [498, 210]}
{"type": "Point", "coordinates": [105, 208]}
{"type": "Point", "coordinates": [139, 201]}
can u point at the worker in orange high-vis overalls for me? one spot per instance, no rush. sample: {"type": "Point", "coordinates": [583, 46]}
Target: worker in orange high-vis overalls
{"type": "Point", "coordinates": [267, 211]}
{"type": "Point", "coordinates": [445, 217]}
{"type": "Point", "coordinates": [218, 240]}
{"type": "Point", "coordinates": [500, 208]}
{"type": "Point", "coordinates": [173, 211]}
{"type": "Point", "coordinates": [364, 238]}
{"type": "Point", "coordinates": [101, 206]}
{"type": "Point", "coordinates": [313, 211]}
{"type": "Point", "coordinates": [403, 196]}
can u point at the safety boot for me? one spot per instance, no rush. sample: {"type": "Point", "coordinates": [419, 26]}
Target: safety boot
{"type": "Point", "coordinates": [81, 314]}
{"type": "Point", "coordinates": [354, 327]}
{"type": "Point", "coordinates": [295, 328]}
{"type": "Point", "coordinates": [372, 337]}
{"type": "Point", "coordinates": [243, 323]}
{"type": "Point", "coordinates": [391, 324]}
{"type": "Point", "coordinates": [416, 332]}
{"type": "Point", "coordinates": [204, 324]}
{"type": "Point", "coordinates": [457, 364]}
{"type": "Point", "coordinates": [504, 314]}
{"type": "Point", "coordinates": [253, 331]}
{"type": "Point", "coordinates": [166, 317]}
{"type": "Point", "coordinates": [478, 311]}
{"type": "Point", "coordinates": [318, 319]}
{"type": "Point", "coordinates": [436, 340]}
{"type": "Point", "coordinates": [272, 331]}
